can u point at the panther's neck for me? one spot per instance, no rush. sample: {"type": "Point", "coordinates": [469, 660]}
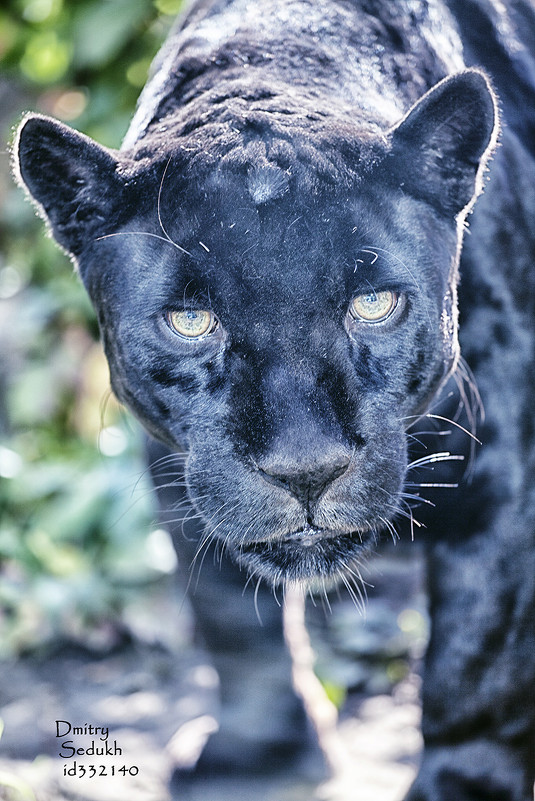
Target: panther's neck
{"type": "Point", "coordinates": [298, 56]}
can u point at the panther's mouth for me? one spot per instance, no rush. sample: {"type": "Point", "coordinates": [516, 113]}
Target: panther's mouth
{"type": "Point", "coordinates": [307, 536]}
{"type": "Point", "coordinates": [306, 555]}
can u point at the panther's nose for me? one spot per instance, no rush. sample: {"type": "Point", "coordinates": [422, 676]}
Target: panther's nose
{"type": "Point", "coordinates": [306, 479]}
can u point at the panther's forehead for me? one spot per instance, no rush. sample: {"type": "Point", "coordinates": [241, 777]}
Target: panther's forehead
{"type": "Point", "coordinates": [257, 232]}
{"type": "Point", "coordinates": [288, 254]}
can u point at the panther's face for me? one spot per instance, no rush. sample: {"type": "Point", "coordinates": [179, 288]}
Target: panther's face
{"type": "Point", "coordinates": [282, 327]}
{"type": "Point", "coordinates": [287, 346]}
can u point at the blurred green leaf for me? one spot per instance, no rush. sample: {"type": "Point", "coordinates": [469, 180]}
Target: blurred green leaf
{"type": "Point", "coordinates": [336, 693]}
{"type": "Point", "coordinates": [39, 11]}
{"type": "Point", "coordinates": [102, 28]}
{"type": "Point", "coordinates": [170, 7]}
{"type": "Point", "coordinates": [46, 58]}
{"type": "Point", "coordinates": [75, 520]}
{"type": "Point", "coordinates": [137, 72]}
{"type": "Point", "coordinates": [9, 32]}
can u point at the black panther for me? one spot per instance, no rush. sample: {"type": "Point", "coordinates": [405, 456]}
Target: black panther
{"type": "Point", "coordinates": [275, 259]}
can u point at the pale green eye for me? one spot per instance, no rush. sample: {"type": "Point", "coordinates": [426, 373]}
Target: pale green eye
{"type": "Point", "coordinates": [373, 307]}
{"type": "Point", "coordinates": [192, 323]}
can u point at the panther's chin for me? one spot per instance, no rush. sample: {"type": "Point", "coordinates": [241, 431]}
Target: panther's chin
{"type": "Point", "coordinates": [310, 556]}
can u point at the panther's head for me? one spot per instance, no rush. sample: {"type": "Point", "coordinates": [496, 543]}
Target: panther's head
{"type": "Point", "coordinates": [277, 301]}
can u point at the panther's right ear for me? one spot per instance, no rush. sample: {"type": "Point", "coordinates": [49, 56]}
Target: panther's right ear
{"type": "Point", "coordinates": [73, 180]}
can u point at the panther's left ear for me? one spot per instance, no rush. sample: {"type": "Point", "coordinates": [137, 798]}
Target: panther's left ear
{"type": "Point", "coordinates": [74, 181]}
{"type": "Point", "coordinates": [442, 145]}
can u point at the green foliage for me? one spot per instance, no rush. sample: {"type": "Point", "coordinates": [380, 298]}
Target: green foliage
{"type": "Point", "coordinates": [76, 509]}
{"type": "Point", "coordinates": [336, 693]}
{"type": "Point", "coordinates": [85, 60]}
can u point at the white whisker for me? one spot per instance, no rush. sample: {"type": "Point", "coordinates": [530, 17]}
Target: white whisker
{"type": "Point", "coordinates": [145, 233]}
{"type": "Point", "coordinates": [257, 610]}
{"type": "Point", "coordinates": [457, 425]}
{"type": "Point", "coordinates": [444, 456]}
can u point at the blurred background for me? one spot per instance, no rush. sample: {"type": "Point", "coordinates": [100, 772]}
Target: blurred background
{"type": "Point", "coordinates": [78, 542]}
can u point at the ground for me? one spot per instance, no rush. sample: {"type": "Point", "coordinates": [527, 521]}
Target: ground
{"type": "Point", "coordinates": [157, 693]}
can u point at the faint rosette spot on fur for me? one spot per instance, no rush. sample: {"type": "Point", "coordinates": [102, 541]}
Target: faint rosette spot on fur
{"type": "Point", "coordinates": [266, 183]}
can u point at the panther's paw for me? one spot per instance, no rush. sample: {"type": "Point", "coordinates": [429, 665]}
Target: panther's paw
{"type": "Point", "coordinates": [227, 755]}
{"type": "Point", "coordinates": [474, 771]}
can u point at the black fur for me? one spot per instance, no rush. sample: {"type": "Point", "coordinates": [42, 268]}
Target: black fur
{"type": "Point", "coordinates": [286, 158]}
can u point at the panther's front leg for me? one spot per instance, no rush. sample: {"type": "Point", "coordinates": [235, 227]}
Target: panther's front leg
{"type": "Point", "coordinates": [478, 698]}
{"type": "Point", "coordinates": [479, 678]}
